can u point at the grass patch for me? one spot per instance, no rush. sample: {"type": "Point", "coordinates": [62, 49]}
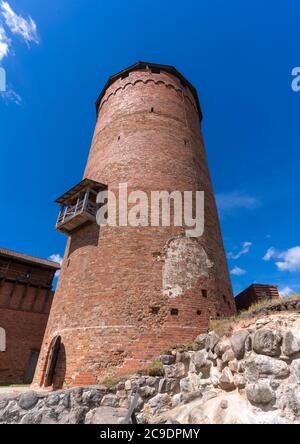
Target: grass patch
{"type": "Point", "coordinates": [156, 368]}
{"type": "Point", "coordinates": [112, 380]}
{"type": "Point", "coordinates": [224, 326]}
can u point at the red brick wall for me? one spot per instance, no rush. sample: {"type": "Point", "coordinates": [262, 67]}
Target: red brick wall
{"type": "Point", "coordinates": [113, 280]}
{"type": "Point", "coordinates": [24, 312]}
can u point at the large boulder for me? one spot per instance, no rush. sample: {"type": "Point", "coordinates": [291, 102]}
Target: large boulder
{"type": "Point", "coordinates": [167, 359]}
{"type": "Point", "coordinates": [264, 366]}
{"type": "Point", "coordinates": [226, 380]}
{"type": "Point", "coordinates": [238, 340]}
{"type": "Point", "coordinates": [177, 370]}
{"type": "Point", "coordinates": [260, 392]}
{"type": "Point", "coordinates": [105, 415]}
{"type": "Point", "coordinates": [291, 343]}
{"type": "Point", "coordinates": [211, 341]}
{"type": "Point", "coordinates": [160, 402]}
{"type": "Point", "coordinates": [267, 342]}
{"type": "Point", "coordinates": [201, 362]}
{"type": "Point", "coordinates": [289, 398]}
{"type": "Point", "coordinates": [201, 341]}
{"type": "Point", "coordinates": [28, 400]}
{"type": "Point", "coordinates": [295, 368]}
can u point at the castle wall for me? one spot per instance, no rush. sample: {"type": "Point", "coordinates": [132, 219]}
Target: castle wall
{"type": "Point", "coordinates": [24, 311]}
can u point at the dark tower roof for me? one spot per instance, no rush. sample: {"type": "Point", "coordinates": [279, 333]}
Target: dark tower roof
{"type": "Point", "coordinates": [5, 253]}
{"type": "Point", "coordinates": [142, 65]}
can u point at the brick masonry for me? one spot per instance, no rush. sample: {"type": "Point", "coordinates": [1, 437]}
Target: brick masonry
{"type": "Point", "coordinates": [25, 301]}
{"type": "Point", "coordinates": [127, 293]}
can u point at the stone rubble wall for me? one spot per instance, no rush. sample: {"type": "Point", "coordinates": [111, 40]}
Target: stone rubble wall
{"type": "Point", "coordinates": [252, 376]}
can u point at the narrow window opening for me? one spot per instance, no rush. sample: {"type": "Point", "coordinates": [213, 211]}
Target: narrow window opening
{"type": "Point", "coordinates": [152, 110]}
{"type": "Point", "coordinates": [199, 312]}
{"type": "Point", "coordinates": [174, 312]}
{"type": "Point", "coordinates": [155, 310]}
{"type": "Point", "coordinates": [2, 340]}
{"type": "Point", "coordinates": [204, 293]}
{"type": "Point", "coordinates": [119, 137]}
{"type": "Point", "coordinates": [224, 298]}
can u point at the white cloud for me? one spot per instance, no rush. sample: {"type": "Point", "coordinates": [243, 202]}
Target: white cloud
{"type": "Point", "coordinates": [227, 202]}
{"type": "Point", "coordinates": [11, 96]}
{"type": "Point", "coordinates": [244, 250]}
{"type": "Point", "coordinates": [271, 252]}
{"type": "Point", "coordinates": [236, 271]}
{"type": "Point", "coordinates": [4, 43]}
{"type": "Point", "coordinates": [18, 24]}
{"type": "Point", "coordinates": [290, 259]}
{"type": "Point", "coordinates": [56, 258]}
{"type": "Point", "coordinates": [286, 291]}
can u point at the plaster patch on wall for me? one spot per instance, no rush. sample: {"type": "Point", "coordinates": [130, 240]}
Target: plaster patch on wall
{"type": "Point", "coordinates": [185, 263]}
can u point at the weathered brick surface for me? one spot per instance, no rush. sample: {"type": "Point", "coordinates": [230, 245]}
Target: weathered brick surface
{"type": "Point", "coordinates": [112, 307]}
{"type": "Point", "coordinates": [24, 311]}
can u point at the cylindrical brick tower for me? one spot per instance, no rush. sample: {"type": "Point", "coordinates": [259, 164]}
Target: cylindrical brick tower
{"type": "Point", "coordinates": [127, 293]}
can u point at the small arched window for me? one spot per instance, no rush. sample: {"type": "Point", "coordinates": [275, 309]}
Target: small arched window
{"type": "Point", "coordinates": [2, 340]}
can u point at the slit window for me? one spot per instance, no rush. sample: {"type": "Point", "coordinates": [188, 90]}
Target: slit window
{"type": "Point", "coordinates": [155, 310]}
{"type": "Point", "coordinates": [204, 293]}
{"type": "Point", "coordinates": [174, 311]}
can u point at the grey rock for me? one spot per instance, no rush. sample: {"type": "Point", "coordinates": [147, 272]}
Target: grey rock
{"type": "Point", "coordinates": [75, 416]}
{"type": "Point", "coordinates": [52, 400]}
{"type": "Point", "coordinates": [3, 404]}
{"type": "Point", "coordinates": [92, 397]}
{"type": "Point", "coordinates": [238, 340]}
{"type": "Point", "coordinates": [189, 397]}
{"type": "Point", "coordinates": [239, 381]}
{"type": "Point", "coordinates": [169, 385]}
{"type": "Point", "coordinates": [160, 402]}
{"type": "Point", "coordinates": [221, 347]}
{"type": "Point", "coordinates": [76, 396]}
{"type": "Point", "coordinates": [201, 362]}
{"type": "Point", "coordinates": [66, 400]}
{"type": "Point", "coordinates": [226, 381]}
{"type": "Point", "coordinates": [110, 401]}
{"type": "Point", "coordinates": [105, 415]}
{"type": "Point", "coordinates": [295, 369]}
{"type": "Point", "coordinates": [177, 370]}
{"type": "Point", "coordinates": [167, 359]}
{"type": "Point", "coordinates": [147, 391]}
{"type": "Point", "coordinates": [32, 418]}
{"type": "Point", "coordinates": [28, 400]}
{"type": "Point", "coordinates": [228, 356]}
{"type": "Point", "coordinates": [264, 366]}
{"type": "Point", "coordinates": [211, 341]}
{"type": "Point", "coordinates": [266, 342]}
{"type": "Point", "coordinates": [289, 397]}
{"type": "Point", "coordinates": [260, 392]}
{"type": "Point", "coordinates": [201, 341]}
{"type": "Point", "coordinates": [224, 404]}
{"type": "Point", "coordinates": [291, 344]}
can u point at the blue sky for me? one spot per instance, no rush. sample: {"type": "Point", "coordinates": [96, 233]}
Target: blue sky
{"type": "Point", "coordinates": [239, 55]}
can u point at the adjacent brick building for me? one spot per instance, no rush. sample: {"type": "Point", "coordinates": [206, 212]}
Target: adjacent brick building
{"type": "Point", "coordinates": [25, 300]}
{"type": "Point", "coordinates": [255, 293]}
{"type": "Point", "coordinates": [126, 293]}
